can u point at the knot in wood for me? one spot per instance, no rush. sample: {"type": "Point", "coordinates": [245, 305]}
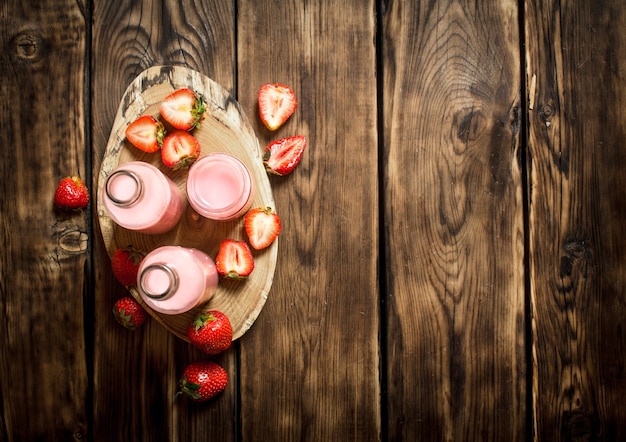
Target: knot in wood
{"type": "Point", "coordinates": [575, 251]}
{"type": "Point", "coordinates": [73, 241]}
{"type": "Point", "coordinates": [79, 433]}
{"type": "Point", "coordinates": [579, 426]}
{"type": "Point", "coordinates": [28, 46]}
{"type": "Point", "coordinates": [470, 125]}
{"type": "Point", "coordinates": [547, 111]}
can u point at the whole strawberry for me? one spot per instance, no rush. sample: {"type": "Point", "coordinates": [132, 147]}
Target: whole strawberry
{"type": "Point", "coordinates": [125, 264]}
{"type": "Point", "coordinates": [128, 312]}
{"type": "Point", "coordinates": [211, 332]}
{"type": "Point", "coordinates": [71, 194]}
{"type": "Point", "coordinates": [202, 381]}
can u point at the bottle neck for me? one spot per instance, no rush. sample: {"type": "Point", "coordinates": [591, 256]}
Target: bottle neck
{"type": "Point", "coordinates": [158, 281]}
{"type": "Point", "coordinates": [124, 188]}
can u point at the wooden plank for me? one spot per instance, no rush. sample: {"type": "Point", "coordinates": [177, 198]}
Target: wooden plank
{"type": "Point", "coordinates": [135, 374]}
{"type": "Point", "coordinates": [454, 221]}
{"type": "Point", "coordinates": [43, 368]}
{"type": "Point", "coordinates": [309, 365]}
{"type": "Point", "coordinates": [576, 56]}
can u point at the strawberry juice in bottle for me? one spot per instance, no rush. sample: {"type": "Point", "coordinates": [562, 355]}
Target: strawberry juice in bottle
{"type": "Point", "coordinates": [137, 196]}
{"type": "Point", "coordinates": [219, 187]}
{"type": "Point", "coordinates": [175, 279]}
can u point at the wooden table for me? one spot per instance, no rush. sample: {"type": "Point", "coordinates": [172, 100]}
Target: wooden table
{"type": "Point", "coordinates": [452, 264]}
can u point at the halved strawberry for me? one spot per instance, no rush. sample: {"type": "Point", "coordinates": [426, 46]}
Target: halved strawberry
{"type": "Point", "coordinates": [183, 109]}
{"type": "Point", "coordinates": [282, 156]}
{"type": "Point", "coordinates": [180, 149]}
{"type": "Point", "coordinates": [262, 226]}
{"type": "Point", "coordinates": [234, 259]}
{"type": "Point", "coordinates": [276, 104]}
{"type": "Point", "coordinates": [146, 133]}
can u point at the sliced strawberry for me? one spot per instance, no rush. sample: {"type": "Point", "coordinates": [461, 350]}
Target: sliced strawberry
{"type": "Point", "coordinates": [234, 259]}
{"type": "Point", "coordinates": [282, 156]}
{"type": "Point", "coordinates": [180, 149]}
{"type": "Point", "coordinates": [262, 226]}
{"type": "Point", "coordinates": [277, 102]}
{"type": "Point", "coordinates": [183, 109]}
{"type": "Point", "coordinates": [146, 133]}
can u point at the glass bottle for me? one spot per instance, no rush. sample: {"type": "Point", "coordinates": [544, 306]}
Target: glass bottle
{"type": "Point", "coordinates": [138, 196]}
{"type": "Point", "coordinates": [175, 279]}
{"type": "Point", "coordinates": [219, 187]}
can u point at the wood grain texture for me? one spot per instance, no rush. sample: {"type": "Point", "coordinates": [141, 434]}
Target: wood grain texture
{"type": "Point", "coordinates": [317, 377]}
{"type": "Point", "coordinates": [453, 221]}
{"type": "Point", "coordinates": [577, 125]}
{"type": "Point", "coordinates": [492, 182]}
{"type": "Point", "coordinates": [135, 374]}
{"type": "Point", "coordinates": [44, 251]}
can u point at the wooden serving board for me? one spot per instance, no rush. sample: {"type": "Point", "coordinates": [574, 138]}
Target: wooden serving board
{"type": "Point", "coordinates": [224, 129]}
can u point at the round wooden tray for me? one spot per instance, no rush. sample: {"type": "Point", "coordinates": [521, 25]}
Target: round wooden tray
{"type": "Point", "coordinates": [224, 129]}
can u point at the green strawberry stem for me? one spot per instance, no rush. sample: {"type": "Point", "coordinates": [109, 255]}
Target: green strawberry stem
{"type": "Point", "coordinates": [202, 320]}
{"type": "Point", "coordinates": [189, 388]}
{"type": "Point", "coordinates": [125, 319]}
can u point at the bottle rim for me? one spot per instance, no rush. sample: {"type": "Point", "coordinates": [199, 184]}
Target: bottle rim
{"type": "Point", "coordinates": [198, 200]}
{"type": "Point", "coordinates": [169, 290]}
{"type": "Point", "coordinates": [136, 194]}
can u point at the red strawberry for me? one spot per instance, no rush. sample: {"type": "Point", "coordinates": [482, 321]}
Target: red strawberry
{"type": "Point", "coordinates": [183, 109]}
{"type": "Point", "coordinates": [276, 104]}
{"type": "Point", "coordinates": [180, 149]}
{"type": "Point", "coordinates": [234, 259]}
{"type": "Point", "coordinates": [125, 263]}
{"type": "Point", "coordinates": [202, 381]}
{"type": "Point", "coordinates": [146, 133]}
{"type": "Point", "coordinates": [129, 313]}
{"type": "Point", "coordinates": [282, 156]}
{"type": "Point", "coordinates": [71, 194]}
{"type": "Point", "coordinates": [262, 226]}
{"type": "Point", "coordinates": [211, 332]}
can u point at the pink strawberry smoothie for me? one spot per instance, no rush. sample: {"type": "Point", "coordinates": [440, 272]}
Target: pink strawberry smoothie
{"type": "Point", "coordinates": [219, 187]}
{"type": "Point", "coordinates": [137, 196]}
{"type": "Point", "coordinates": [175, 279]}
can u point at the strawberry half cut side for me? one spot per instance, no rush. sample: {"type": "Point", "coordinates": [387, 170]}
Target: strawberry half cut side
{"type": "Point", "coordinates": [281, 157]}
{"type": "Point", "coordinates": [277, 102]}
{"type": "Point", "coordinates": [234, 259]}
{"type": "Point", "coordinates": [183, 109]}
{"type": "Point", "coordinates": [180, 149]}
{"type": "Point", "coordinates": [262, 226]}
{"type": "Point", "coordinates": [146, 133]}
